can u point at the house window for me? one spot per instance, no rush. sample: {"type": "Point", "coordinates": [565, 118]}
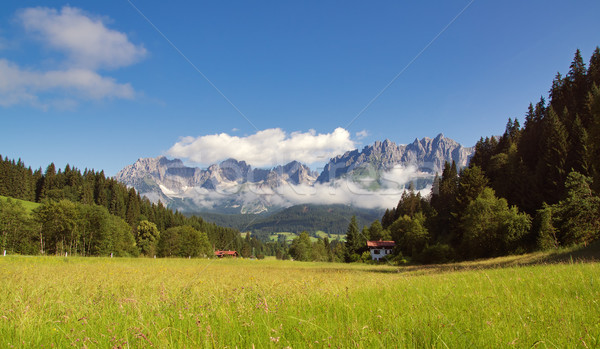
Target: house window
{"type": "Point", "coordinates": [375, 251]}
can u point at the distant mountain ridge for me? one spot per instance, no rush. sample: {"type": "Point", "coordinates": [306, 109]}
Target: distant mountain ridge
{"type": "Point", "coordinates": [429, 155]}
{"type": "Point", "coordinates": [163, 179]}
{"type": "Point", "coordinates": [234, 186]}
{"type": "Point", "coordinates": [331, 219]}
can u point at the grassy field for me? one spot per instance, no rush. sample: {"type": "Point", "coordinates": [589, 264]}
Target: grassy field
{"type": "Point", "coordinates": [30, 206]}
{"type": "Point", "coordinates": [181, 303]}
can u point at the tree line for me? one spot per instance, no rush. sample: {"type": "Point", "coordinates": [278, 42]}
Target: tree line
{"type": "Point", "coordinates": [535, 187]}
{"type": "Point", "coordinates": [90, 214]}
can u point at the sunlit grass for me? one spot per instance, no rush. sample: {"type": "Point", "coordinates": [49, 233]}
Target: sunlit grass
{"type": "Point", "coordinates": [28, 205]}
{"type": "Point", "coordinates": [103, 302]}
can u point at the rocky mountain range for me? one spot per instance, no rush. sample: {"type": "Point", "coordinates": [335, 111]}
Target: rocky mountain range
{"type": "Point", "coordinates": [234, 186]}
{"type": "Point", "coordinates": [428, 155]}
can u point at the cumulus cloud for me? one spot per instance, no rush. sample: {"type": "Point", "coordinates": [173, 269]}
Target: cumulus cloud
{"type": "Point", "coordinates": [88, 45]}
{"type": "Point", "coordinates": [87, 41]}
{"type": "Point", "coordinates": [23, 86]}
{"type": "Point", "coordinates": [264, 148]}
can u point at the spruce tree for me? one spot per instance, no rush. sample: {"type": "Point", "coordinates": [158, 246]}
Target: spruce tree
{"type": "Point", "coordinates": [594, 135]}
{"type": "Point", "coordinates": [594, 68]}
{"type": "Point", "coordinates": [551, 166]}
{"type": "Point", "coordinates": [578, 86]}
{"type": "Point", "coordinates": [352, 242]}
{"type": "Point", "coordinates": [577, 159]}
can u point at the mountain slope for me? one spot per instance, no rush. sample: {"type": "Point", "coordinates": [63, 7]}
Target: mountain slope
{"type": "Point", "coordinates": [331, 219]}
{"type": "Point", "coordinates": [233, 186]}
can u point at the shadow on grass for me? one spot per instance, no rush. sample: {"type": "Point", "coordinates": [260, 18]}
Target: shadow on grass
{"type": "Point", "coordinates": [583, 254]}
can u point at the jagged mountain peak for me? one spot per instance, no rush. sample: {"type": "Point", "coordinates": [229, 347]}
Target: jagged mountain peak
{"type": "Point", "coordinates": [233, 181]}
{"type": "Point", "coordinates": [429, 155]}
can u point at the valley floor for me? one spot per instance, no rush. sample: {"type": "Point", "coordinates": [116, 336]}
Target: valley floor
{"type": "Point", "coordinates": [103, 302]}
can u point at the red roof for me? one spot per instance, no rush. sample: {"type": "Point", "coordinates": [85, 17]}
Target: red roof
{"type": "Point", "coordinates": [225, 253]}
{"type": "Point", "coordinates": [380, 244]}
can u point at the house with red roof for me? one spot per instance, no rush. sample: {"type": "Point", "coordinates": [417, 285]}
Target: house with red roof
{"type": "Point", "coordinates": [221, 254]}
{"type": "Point", "coordinates": [380, 249]}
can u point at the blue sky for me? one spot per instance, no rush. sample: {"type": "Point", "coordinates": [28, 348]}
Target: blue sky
{"type": "Point", "coordinates": [101, 84]}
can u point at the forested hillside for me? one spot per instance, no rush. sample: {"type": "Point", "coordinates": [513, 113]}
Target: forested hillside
{"type": "Point", "coordinates": [534, 187]}
{"type": "Point", "coordinates": [331, 219]}
{"type": "Point", "coordinates": [89, 214]}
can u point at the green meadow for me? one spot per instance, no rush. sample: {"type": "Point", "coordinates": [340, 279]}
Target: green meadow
{"type": "Point", "coordinates": [29, 206]}
{"type": "Point", "coordinates": [229, 303]}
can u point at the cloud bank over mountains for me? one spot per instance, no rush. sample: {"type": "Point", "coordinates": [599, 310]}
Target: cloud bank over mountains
{"type": "Point", "coordinates": [86, 46]}
{"type": "Point", "coordinates": [265, 148]}
{"type": "Point", "coordinates": [374, 177]}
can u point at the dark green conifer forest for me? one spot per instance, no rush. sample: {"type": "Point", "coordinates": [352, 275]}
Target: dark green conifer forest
{"type": "Point", "coordinates": [90, 214]}
{"type": "Point", "coordinates": [535, 187]}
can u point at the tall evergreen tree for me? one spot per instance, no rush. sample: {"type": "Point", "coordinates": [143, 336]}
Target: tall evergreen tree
{"type": "Point", "coordinates": [594, 135]}
{"type": "Point", "coordinates": [551, 166]}
{"type": "Point", "coordinates": [49, 181]}
{"type": "Point", "coordinates": [133, 207]}
{"type": "Point", "coordinates": [578, 86]}
{"type": "Point", "coordinates": [577, 159]}
{"type": "Point", "coordinates": [353, 241]}
{"type": "Point", "coordinates": [594, 68]}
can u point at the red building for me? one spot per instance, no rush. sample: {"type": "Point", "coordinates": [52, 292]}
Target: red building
{"type": "Point", "coordinates": [222, 254]}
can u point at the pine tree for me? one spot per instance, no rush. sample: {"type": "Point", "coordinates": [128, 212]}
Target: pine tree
{"type": "Point", "coordinates": [594, 68]}
{"type": "Point", "coordinates": [49, 181]}
{"type": "Point", "coordinates": [388, 218]}
{"type": "Point", "coordinates": [376, 231]}
{"type": "Point", "coordinates": [577, 159]}
{"type": "Point", "coordinates": [558, 93]}
{"type": "Point", "coordinates": [551, 166]}
{"type": "Point", "coordinates": [471, 184]}
{"type": "Point", "coordinates": [352, 242]}
{"type": "Point", "coordinates": [529, 143]}
{"type": "Point", "coordinates": [594, 135]}
{"type": "Point", "coordinates": [578, 86]}
{"type": "Point", "coordinates": [444, 202]}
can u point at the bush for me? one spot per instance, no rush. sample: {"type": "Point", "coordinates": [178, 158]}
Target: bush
{"type": "Point", "coordinates": [438, 253]}
{"type": "Point", "coordinates": [366, 257]}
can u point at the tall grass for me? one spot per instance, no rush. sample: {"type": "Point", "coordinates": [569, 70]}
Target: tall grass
{"type": "Point", "coordinates": [182, 303]}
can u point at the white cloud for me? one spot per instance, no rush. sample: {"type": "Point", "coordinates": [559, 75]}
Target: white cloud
{"type": "Point", "coordinates": [348, 191]}
{"type": "Point", "coordinates": [344, 191]}
{"type": "Point", "coordinates": [87, 41]}
{"type": "Point", "coordinates": [264, 148]}
{"type": "Point", "coordinates": [88, 44]}
{"type": "Point", "coordinates": [23, 86]}
{"type": "Point", "coordinates": [362, 134]}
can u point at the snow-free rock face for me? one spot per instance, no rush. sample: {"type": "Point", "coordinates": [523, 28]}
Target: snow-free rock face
{"type": "Point", "coordinates": [235, 185]}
